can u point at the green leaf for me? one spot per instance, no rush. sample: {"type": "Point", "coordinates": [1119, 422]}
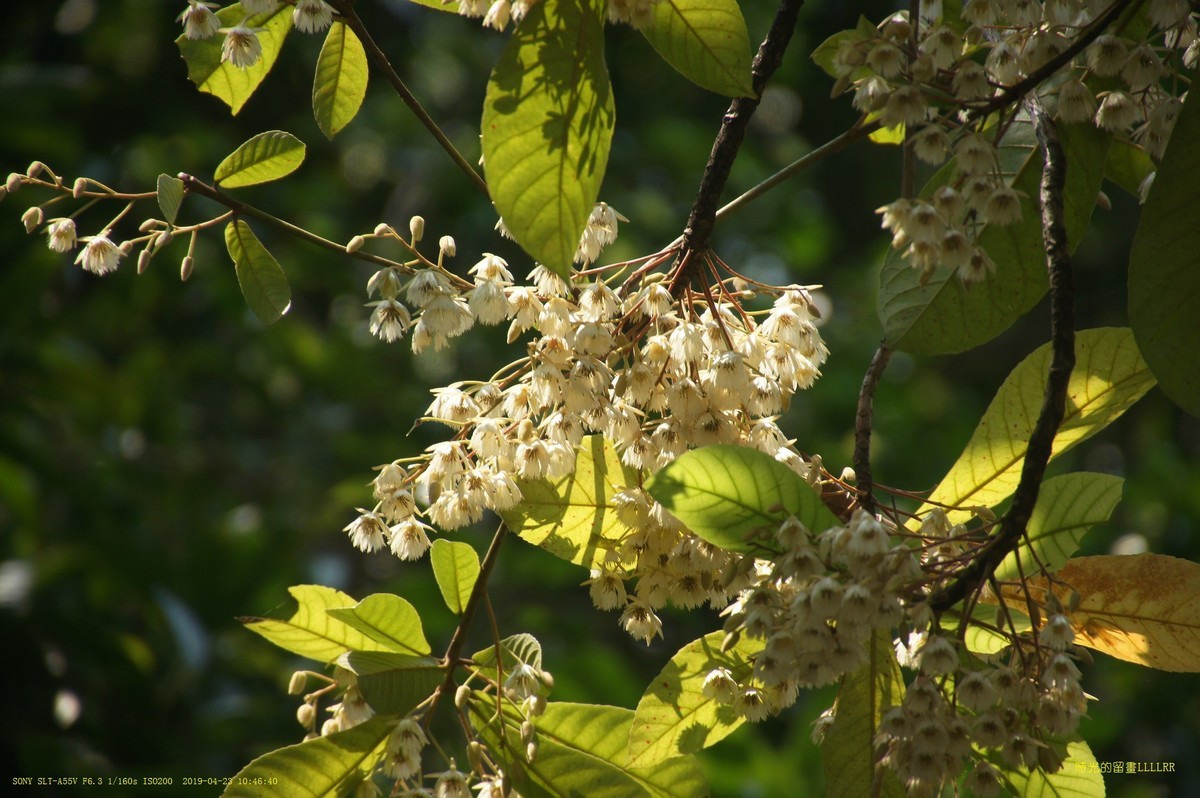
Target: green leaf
{"type": "Point", "coordinates": [340, 82]}
{"type": "Point", "coordinates": [574, 517]}
{"type": "Point", "coordinates": [451, 7]}
{"type": "Point", "coordinates": [581, 751]}
{"type": "Point", "coordinates": [1067, 507]}
{"type": "Point", "coordinates": [263, 158]}
{"type": "Point", "coordinates": [324, 766]}
{"type": "Point", "coordinates": [848, 750]}
{"type": "Point", "coordinates": [1164, 266]}
{"type": "Point", "coordinates": [706, 41]}
{"type": "Point", "coordinates": [825, 56]}
{"type": "Point", "coordinates": [455, 567]}
{"type": "Point", "coordinates": [942, 315]}
{"type": "Point", "coordinates": [170, 197]}
{"type": "Point", "coordinates": [393, 684]}
{"type": "Point", "coordinates": [311, 632]}
{"type": "Point", "coordinates": [1109, 376]}
{"type": "Point", "coordinates": [514, 650]}
{"type": "Point", "coordinates": [548, 120]}
{"type": "Point", "coordinates": [980, 637]}
{"type": "Point", "coordinates": [260, 277]}
{"type": "Point", "coordinates": [674, 717]}
{"type": "Point", "coordinates": [1079, 777]}
{"type": "Point", "coordinates": [1127, 165]}
{"type": "Point", "coordinates": [388, 620]}
{"type": "Point", "coordinates": [229, 84]}
{"type": "Point", "coordinates": [725, 493]}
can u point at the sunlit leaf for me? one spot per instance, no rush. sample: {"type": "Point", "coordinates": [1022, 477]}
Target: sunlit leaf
{"type": "Point", "coordinates": [706, 41]}
{"type": "Point", "coordinates": [848, 751]}
{"type": "Point", "coordinates": [581, 752]}
{"type": "Point", "coordinates": [548, 120]}
{"type": "Point", "coordinates": [324, 766]}
{"type": "Point", "coordinates": [1109, 377]}
{"type": "Point", "coordinates": [574, 517]}
{"type": "Point", "coordinates": [233, 85]}
{"type": "Point", "coordinates": [260, 277]}
{"type": "Point", "coordinates": [734, 496]}
{"type": "Point", "coordinates": [674, 717]}
{"type": "Point", "coordinates": [311, 632]}
{"type": "Point", "coordinates": [340, 81]}
{"type": "Point", "coordinates": [1079, 777]}
{"type": "Point", "coordinates": [170, 197]}
{"type": "Point", "coordinates": [1164, 266]}
{"type": "Point", "coordinates": [388, 620]}
{"type": "Point", "coordinates": [519, 649]}
{"type": "Point", "coordinates": [393, 684]}
{"type": "Point", "coordinates": [942, 315]}
{"type": "Point", "coordinates": [1067, 507]}
{"type": "Point", "coordinates": [455, 567]}
{"type": "Point", "coordinates": [261, 159]}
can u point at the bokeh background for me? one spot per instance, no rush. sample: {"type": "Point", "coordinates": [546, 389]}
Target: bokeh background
{"type": "Point", "coordinates": [168, 464]}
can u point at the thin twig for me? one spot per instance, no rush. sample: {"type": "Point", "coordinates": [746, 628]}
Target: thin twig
{"type": "Point", "coordinates": [862, 427]}
{"type": "Point", "coordinates": [1062, 342]}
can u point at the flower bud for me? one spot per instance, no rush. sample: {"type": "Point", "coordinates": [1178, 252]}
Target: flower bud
{"type": "Point", "coordinates": [163, 238]}
{"type": "Point", "coordinates": [32, 218]}
{"type": "Point", "coordinates": [462, 696]}
{"type": "Point", "coordinates": [297, 683]}
{"type": "Point", "coordinates": [447, 246]}
{"type": "Point", "coordinates": [527, 732]}
{"type": "Point", "coordinates": [531, 751]}
{"type": "Point", "coordinates": [305, 714]}
{"type": "Point", "coordinates": [383, 229]}
{"type": "Point", "coordinates": [13, 183]}
{"type": "Point", "coordinates": [79, 186]}
{"type": "Point", "coordinates": [126, 247]}
{"type": "Point", "coordinates": [35, 169]}
{"type": "Point", "coordinates": [355, 244]}
{"type": "Point", "coordinates": [475, 755]}
{"type": "Point", "coordinates": [416, 227]}
{"type": "Point", "coordinates": [185, 268]}
{"type": "Point", "coordinates": [143, 260]}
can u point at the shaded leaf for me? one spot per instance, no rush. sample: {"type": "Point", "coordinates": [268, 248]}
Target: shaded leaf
{"type": "Point", "coordinates": [1164, 266]}
{"type": "Point", "coordinates": [574, 517]}
{"type": "Point", "coordinates": [1127, 165]}
{"type": "Point", "coordinates": [455, 567]}
{"type": "Point", "coordinates": [706, 41]}
{"type": "Point", "coordinates": [260, 277]}
{"type": "Point", "coordinates": [311, 632]}
{"type": "Point", "coordinates": [232, 85]}
{"type": "Point", "coordinates": [581, 752]}
{"type": "Point", "coordinates": [261, 159]}
{"type": "Point", "coordinates": [725, 494]}
{"type": "Point", "coordinates": [674, 717]}
{"type": "Point", "coordinates": [548, 119]}
{"type": "Point", "coordinates": [340, 81]}
{"type": "Point", "coordinates": [980, 637]}
{"type": "Point", "coordinates": [1079, 777]}
{"type": "Point", "coordinates": [325, 766]}
{"type": "Point", "coordinates": [942, 315]}
{"type": "Point", "coordinates": [825, 56]}
{"type": "Point", "coordinates": [170, 197]}
{"type": "Point", "coordinates": [514, 650]}
{"type": "Point", "coordinates": [1109, 376]}
{"type": "Point", "coordinates": [393, 684]}
{"type": "Point", "coordinates": [388, 620]}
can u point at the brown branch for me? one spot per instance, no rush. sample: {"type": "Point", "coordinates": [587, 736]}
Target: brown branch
{"type": "Point", "coordinates": [1062, 342]}
{"type": "Point", "coordinates": [862, 427]}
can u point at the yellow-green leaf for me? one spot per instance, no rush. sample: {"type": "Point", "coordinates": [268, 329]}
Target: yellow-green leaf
{"type": "Point", "coordinates": [340, 82]}
{"type": "Point", "coordinates": [1079, 777]}
{"type": "Point", "coordinates": [311, 632]}
{"type": "Point", "coordinates": [170, 197]}
{"type": "Point", "coordinates": [261, 159]}
{"type": "Point", "coordinates": [706, 41]}
{"type": "Point", "coordinates": [233, 85]}
{"type": "Point", "coordinates": [393, 683]}
{"type": "Point", "coordinates": [674, 717]}
{"type": "Point", "coordinates": [263, 283]}
{"type": "Point", "coordinates": [455, 567]}
{"type": "Point", "coordinates": [548, 120]}
{"type": "Point", "coordinates": [388, 620]}
{"type": "Point", "coordinates": [1109, 377]}
{"type": "Point", "coordinates": [574, 517]}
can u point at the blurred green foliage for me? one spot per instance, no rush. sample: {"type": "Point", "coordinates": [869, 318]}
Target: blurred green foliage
{"type": "Point", "coordinates": [168, 464]}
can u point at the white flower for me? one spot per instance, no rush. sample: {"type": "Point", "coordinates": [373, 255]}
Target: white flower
{"type": "Point", "coordinates": [199, 21]}
{"type": "Point", "coordinates": [451, 784]}
{"type": "Point", "coordinates": [389, 320]}
{"type": "Point", "coordinates": [100, 256]}
{"type": "Point", "coordinates": [368, 532]}
{"type": "Point", "coordinates": [409, 540]}
{"type": "Point", "coordinates": [241, 47]}
{"type": "Point", "coordinates": [641, 622]}
{"type": "Point", "coordinates": [61, 234]}
{"type": "Point", "coordinates": [312, 16]}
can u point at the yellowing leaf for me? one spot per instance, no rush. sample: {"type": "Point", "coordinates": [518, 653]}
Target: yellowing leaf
{"type": "Point", "coordinates": [311, 632]}
{"type": "Point", "coordinates": [234, 85]}
{"type": "Point", "coordinates": [574, 517]}
{"type": "Point", "coordinates": [1109, 376]}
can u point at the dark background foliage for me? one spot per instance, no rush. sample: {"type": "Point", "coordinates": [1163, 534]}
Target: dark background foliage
{"type": "Point", "coordinates": [168, 464]}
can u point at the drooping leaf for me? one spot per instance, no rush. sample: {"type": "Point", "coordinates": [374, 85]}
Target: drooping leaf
{"type": "Point", "coordinates": [1067, 507]}
{"type": "Point", "coordinates": [1142, 608]}
{"type": "Point", "coordinates": [1109, 376]}
{"type": "Point", "coordinates": [734, 496]}
{"type": "Point", "coordinates": [942, 315]}
{"type": "Point", "coordinates": [706, 41]}
{"type": "Point", "coordinates": [170, 197]}
{"type": "Point", "coordinates": [574, 517]}
{"type": "Point", "coordinates": [518, 649]}
{"type": "Point", "coordinates": [455, 567]}
{"type": "Point", "coordinates": [260, 277]}
{"type": "Point", "coordinates": [340, 81]}
{"type": "Point", "coordinates": [393, 684]}
{"type": "Point", "coordinates": [674, 717]}
{"type": "Point", "coordinates": [261, 159]}
{"type": "Point", "coordinates": [324, 766]}
{"type": "Point", "coordinates": [1164, 266]}
{"type": "Point", "coordinates": [548, 120]}
{"type": "Point", "coordinates": [1079, 777]}
{"type": "Point", "coordinates": [848, 750]}
{"type": "Point", "coordinates": [388, 620]}
{"type": "Point", "coordinates": [581, 752]}
{"type": "Point", "coordinates": [311, 632]}
{"type": "Point", "coordinates": [233, 85]}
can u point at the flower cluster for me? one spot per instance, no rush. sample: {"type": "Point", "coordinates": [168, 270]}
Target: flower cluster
{"type": "Point", "coordinates": [241, 46]}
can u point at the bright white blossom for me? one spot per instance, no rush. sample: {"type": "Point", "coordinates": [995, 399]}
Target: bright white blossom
{"type": "Point", "coordinates": [100, 256]}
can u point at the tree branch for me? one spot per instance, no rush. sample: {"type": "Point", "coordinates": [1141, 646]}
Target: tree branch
{"type": "Point", "coordinates": [862, 427]}
{"type": "Point", "coordinates": [1062, 342]}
